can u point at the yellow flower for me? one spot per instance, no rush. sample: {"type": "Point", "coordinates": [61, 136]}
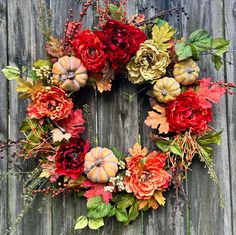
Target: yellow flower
{"type": "Point", "coordinates": [149, 64]}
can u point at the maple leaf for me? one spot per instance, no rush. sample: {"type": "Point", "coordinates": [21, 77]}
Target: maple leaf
{"type": "Point", "coordinates": [209, 91]}
{"type": "Point", "coordinates": [58, 135]}
{"type": "Point", "coordinates": [96, 190]}
{"type": "Point", "coordinates": [137, 150]}
{"type": "Point", "coordinates": [27, 88]}
{"type": "Point", "coordinates": [157, 120]}
{"type": "Point", "coordinates": [162, 35]}
{"type": "Point", "coordinates": [55, 47]}
{"type": "Point", "coordinates": [74, 124]}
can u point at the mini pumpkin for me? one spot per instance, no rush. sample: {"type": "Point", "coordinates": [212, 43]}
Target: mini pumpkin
{"type": "Point", "coordinates": [166, 89]}
{"type": "Point", "coordinates": [69, 73]}
{"type": "Point", "coordinates": [100, 164]}
{"type": "Point", "coordinates": [186, 72]}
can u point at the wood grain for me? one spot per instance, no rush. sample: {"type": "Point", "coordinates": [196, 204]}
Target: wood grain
{"type": "Point", "coordinates": [117, 122]}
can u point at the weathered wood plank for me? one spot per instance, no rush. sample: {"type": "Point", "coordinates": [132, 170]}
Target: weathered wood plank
{"type": "Point", "coordinates": [206, 217]}
{"type": "Point", "coordinates": [3, 117]}
{"type": "Point", "coordinates": [230, 24]}
{"type": "Point", "coordinates": [25, 42]}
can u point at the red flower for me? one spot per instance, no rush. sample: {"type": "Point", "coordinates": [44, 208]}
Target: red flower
{"type": "Point", "coordinates": [70, 158]}
{"type": "Point", "coordinates": [187, 113]}
{"type": "Point", "coordinates": [147, 175]}
{"type": "Point", "coordinates": [88, 47]}
{"type": "Point", "coordinates": [74, 124]}
{"type": "Point", "coordinates": [121, 41]}
{"type": "Point", "coordinates": [50, 102]}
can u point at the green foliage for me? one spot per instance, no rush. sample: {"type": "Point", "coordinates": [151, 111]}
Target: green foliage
{"type": "Point", "coordinates": [117, 153]}
{"type": "Point", "coordinates": [201, 41]}
{"type": "Point", "coordinates": [11, 72]}
{"type": "Point", "coordinates": [81, 222]}
{"type": "Point", "coordinates": [175, 149]}
{"type": "Point", "coordinates": [97, 208]}
{"type": "Point", "coordinates": [163, 145]}
{"type": "Point", "coordinates": [95, 223]}
{"type": "Point", "coordinates": [116, 12]}
{"type": "Point", "coordinates": [122, 215]}
{"type": "Point", "coordinates": [41, 63]}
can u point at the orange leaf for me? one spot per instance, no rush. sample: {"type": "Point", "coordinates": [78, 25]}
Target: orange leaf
{"type": "Point", "coordinates": [157, 120]}
{"type": "Point", "coordinates": [148, 203]}
{"type": "Point", "coordinates": [137, 150]}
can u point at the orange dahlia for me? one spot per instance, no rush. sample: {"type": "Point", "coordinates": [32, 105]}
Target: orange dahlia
{"type": "Point", "coordinates": [51, 102]}
{"type": "Point", "coordinates": [146, 175]}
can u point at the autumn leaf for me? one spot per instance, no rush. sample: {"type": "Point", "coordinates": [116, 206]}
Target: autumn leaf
{"type": "Point", "coordinates": [160, 198]}
{"type": "Point", "coordinates": [137, 150]}
{"type": "Point", "coordinates": [147, 203]}
{"type": "Point", "coordinates": [162, 35]}
{"type": "Point", "coordinates": [96, 190]}
{"type": "Point", "coordinates": [157, 120]}
{"type": "Point", "coordinates": [55, 47]}
{"type": "Point", "coordinates": [58, 135]}
{"type": "Point", "coordinates": [27, 88]}
{"type": "Point", "coordinates": [103, 85]}
{"type": "Point", "coordinates": [209, 91]}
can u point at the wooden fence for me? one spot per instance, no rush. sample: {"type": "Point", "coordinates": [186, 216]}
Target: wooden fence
{"type": "Point", "coordinates": [118, 122]}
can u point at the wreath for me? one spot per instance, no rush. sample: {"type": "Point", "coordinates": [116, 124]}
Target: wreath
{"type": "Point", "coordinates": [147, 51]}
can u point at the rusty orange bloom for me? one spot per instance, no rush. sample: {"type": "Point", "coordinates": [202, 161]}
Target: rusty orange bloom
{"type": "Point", "coordinates": [147, 175]}
{"type": "Point", "coordinates": [51, 102]}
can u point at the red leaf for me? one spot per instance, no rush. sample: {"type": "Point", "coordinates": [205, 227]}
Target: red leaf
{"type": "Point", "coordinates": [209, 91]}
{"type": "Point", "coordinates": [96, 190]}
{"type": "Point", "coordinates": [74, 124]}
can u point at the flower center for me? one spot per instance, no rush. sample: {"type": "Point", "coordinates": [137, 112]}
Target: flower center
{"type": "Point", "coordinates": [91, 50]}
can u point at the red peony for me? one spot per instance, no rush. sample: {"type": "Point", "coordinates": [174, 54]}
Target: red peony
{"type": "Point", "coordinates": [70, 158]}
{"type": "Point", "coordinates": [51, 102]}
{"type": "Point", "coordinates": [121, 41]}
{"type": "Point", "coordinates": [147, 175]}
{"type": "Point", "coordinates": [74, 124]}
{"type": "Point", "coordinates": [88, 47]}
{"type": "Point", "coordinates": [187, 113]}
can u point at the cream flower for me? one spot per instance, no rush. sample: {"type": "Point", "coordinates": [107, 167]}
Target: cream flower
{"type": "Point", "coordinates": [149, 64]}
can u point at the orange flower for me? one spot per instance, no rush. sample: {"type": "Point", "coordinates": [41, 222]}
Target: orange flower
{"type": "Point", "coordinates": [147, 175]}
{"type": "Point", "coordinates": [50, 102]}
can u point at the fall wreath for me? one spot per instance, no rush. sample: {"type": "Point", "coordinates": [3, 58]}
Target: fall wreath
{"type": "Point", "coordinates": [147, 50]}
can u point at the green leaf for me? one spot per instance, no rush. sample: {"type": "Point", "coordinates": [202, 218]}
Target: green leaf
{"type": "Point", "coordinates": [220, 45]}
{"type": "Point", "coordinates": [125, 201]}
{"type": "Point", "coordinates": [99, 211]}
{"type": "Point", "coordinates": [112, 212]}
{"type": "Point", "coordinates": [95, 224]}
{"type": "Point", "coordinates": [201, 39]}
{"type": "Point", "coordinates": [93, 202]}
{"type": "Point", "coordinates": [121, 215]}
{"type": "Point", "coordinates": [175, 148]}
{"type": "Point", "coordinates": [113, 9]}
{"type": "Point", "coordinates": [217, 61]}
{"type": "Point", "coordinates": [11, 72]}
{"type": "Point", "coordinates": [195, 53]}
{"type": "Point", "coordinates": [41, 63]}
{"type": "Point", "coordinates": [133, 212]}
{"type": "Point", "coordinates": [163, 145]}
{"type": "Point", "coordinates": [183, 50]}
{"type": "Point", "coordinates": [211, 138]}
{"type": "Point", "coordinates": [117, 153]}
{"type": "Point", "coordinates": [81, 222]}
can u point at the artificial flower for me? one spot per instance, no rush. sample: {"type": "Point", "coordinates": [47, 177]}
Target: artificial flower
{"type": "Point", "coordinates": [70, 158]}
{"type": "Point", "coordinates": [49, 169]}
{"type": "Point", "coordinates": [88, 47]}
{"type": "Point", "coordinates": [147, 175]}
{"type": "Point", "coordinates": [51, 102]}
{"type": "Point", "coordinates": [74, 124]}
{"type": "Point", "coordinates": [149, 63]}
{"type": "Point", "coordinates": [121, 41]}
{"type": "Point", "coordinates": [187, 113]}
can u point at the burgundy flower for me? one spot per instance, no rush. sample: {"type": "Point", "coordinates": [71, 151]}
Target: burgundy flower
{"type": "Point", "coordinates": [187, 113]}
{"type": "Point", "coordinates": [70, 158]}
{"type": "Point", "coordinates": [121, 41]}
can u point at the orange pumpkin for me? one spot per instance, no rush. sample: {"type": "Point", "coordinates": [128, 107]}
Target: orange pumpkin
{"type": "Point", "coordinates": [69, 73]}
{"type": "Point", "coordinates": [100, 165]}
